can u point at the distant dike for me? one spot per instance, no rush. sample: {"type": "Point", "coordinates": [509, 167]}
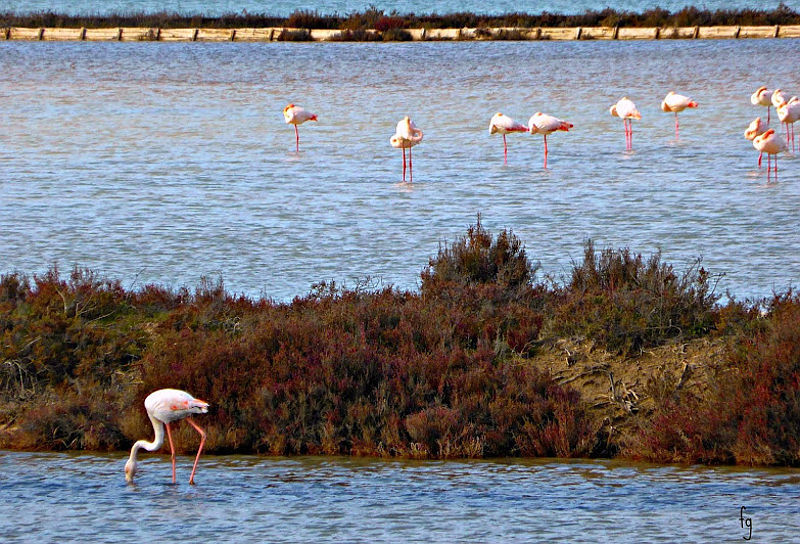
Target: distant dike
{"type": "Point", "coordinates": [375, 25]}
{"type": "Point", "coordinates": [272, 34]}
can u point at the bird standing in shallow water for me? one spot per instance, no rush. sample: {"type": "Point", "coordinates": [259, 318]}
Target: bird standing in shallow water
{"type": "Point", "coordinates": [503, 124]}
{"type": "Point", "coordinates": [676, 103]}
{"type": "Point", "coordinates": [789, 114]}
{"type": "Point", "coordinates": [626, 110]}
{"type": "Point", "coordinates": [163, 407]}
{"type": "Point", "coordinates": [541, 123]}
{"type": "Point", "coordinates": [406, 136]}
{"type": "Point", "coordinates": [296, 115]}
{"type": "Point", "coordinates": [757, 128]}
{"type": "Point", "coordinates": [771, 144]}
{"type": "Point", "coordinates": [762, 97]}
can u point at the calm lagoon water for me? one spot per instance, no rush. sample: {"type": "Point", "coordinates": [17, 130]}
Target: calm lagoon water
{"type": "Point", "coordinates": [285, 7]}
{"type": "Point", "coordinates": [165, 163]}
{"type": "Point", "coordinates": [50, 497]}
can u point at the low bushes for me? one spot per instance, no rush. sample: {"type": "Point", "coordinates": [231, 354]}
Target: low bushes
{"type": "Point", "coordinates": [449, 371]}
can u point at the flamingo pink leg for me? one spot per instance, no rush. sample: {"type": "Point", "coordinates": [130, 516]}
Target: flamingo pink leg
{"type": "Point", "coordinates": [759, 159]}
{"type": "Point", "coordinates": [545, 151]}
{"type": "Point", "coordinates": [296, 140]}
{"type": "Point", "coordinates": [171, 451]}
{"type": "Point", "coordinates": [404, 164]}
{"type": "Point", "coordinates": [410, 168]}
{"type": "Point", "coordinates": [505, 150]}
{"type": "Point", "coordinates": [676, 125]}
{"type": "Point", "coordinates": [199, 449]}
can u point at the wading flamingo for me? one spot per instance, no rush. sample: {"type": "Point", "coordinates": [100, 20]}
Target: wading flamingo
{"type": "Point", "coordinates": [541, 123]}
{"type": "Point", "coordinates": [626, 110]}
{"type": "Point", "coordinates": [163, 407]}
{"type": "Point", "coordinates": [771, 144]}
{"type": "Point", "coordinates": [762, 97]}
{"type": "Point", "coordinates": [789, 114]}
{"type": "Point", "coordinates": [757, 128]}
{"type": "Point", "coordinates": [503, 124]}
{"type": "Point", "coordinates": [406, 136]}
{"type": "Point", "coordinates": [676, 103]}
{"type": "Point", "coordinates": [296, 115]}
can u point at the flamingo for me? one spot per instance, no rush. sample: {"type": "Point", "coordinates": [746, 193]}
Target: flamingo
{"type": "Point", "coordinates": [777, 98]}
{"type": "Point", "coordinates": [676, 103]}
{"type": "Point", "coordinates": [296, 115]}
{"type": "Point", "coordinates": [626, 110]}
{"type": "Point", "coordinates": [762, 97]}
{"type": "Point", "coordinates": [757, 128]}
{"type": "Point", "coordinates": [163, 407]}
{"type": "Point", "coordinates": [541, 123]}
{"type": "Point", "coordinates": [789, 114]}
{"type": "Point", "coordinates": [771, 144]}
{"type": "Point", "coordinates": [406, 136]}
{"type": "Point", "coordinates": [503, 124]}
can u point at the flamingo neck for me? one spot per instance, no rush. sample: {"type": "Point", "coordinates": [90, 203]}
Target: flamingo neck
{"type": "Point", "coordinates": [157, 442]}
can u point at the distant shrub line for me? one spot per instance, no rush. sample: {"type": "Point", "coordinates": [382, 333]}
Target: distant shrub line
{"type": "Point", "coordinates": [448, 371]}
{"type": "Point", "coordinates": [376, 19]}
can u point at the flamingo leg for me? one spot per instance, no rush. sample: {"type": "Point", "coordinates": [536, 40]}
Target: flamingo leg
{"type": "Point", "coordinates": [404, 164]}
{"type": "Point", "coordinates": [775, 175]}
{"type": "Point", "coordinates": [505, 150]}
{"type": "Point", "coordinates": [767, 115]}
{"type": "Point", "coordinates": [199, 449]}
{"type": "Point", "coordinates": [410, 168]}
{"type": "Point", "coordinates": [545, 151]}
{"type": "Point", "coordinates": [676, 125]}
{"type": "Point", "coordinates": [171, 451]}
{"type": "Point", "coordinates": [296, 140]}
{"type": "Point", "coordinates": [759, 158]}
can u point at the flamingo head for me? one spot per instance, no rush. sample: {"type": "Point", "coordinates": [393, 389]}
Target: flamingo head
{"type": "Point", "coordinates": [130, 470]}
{"type": "Point", "coordinates": [613, 110]}
{"type": "Point", "coordinates": [664, 106]}
{"type": "Point", "coordinates": [287, 108]}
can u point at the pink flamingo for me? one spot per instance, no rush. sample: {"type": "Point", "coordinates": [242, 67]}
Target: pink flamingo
{"type": "Point", "coordinates": [777, 98]}
{"type": "Point", "coordinates": [757, 128]}
{"type": "Point", "coordinates": [296, 115]}
{"type": "Point", "coordinates": [626, 110]}
{"type": "Point", "coordinates": [163, 407]}
{"type": "Point", "coordinates": [676, 103]}
{"type": "Point", "coordinates": [406, 136]}
{"type": "Point", "coordinates": [789, 114]}
{"type": "Point", "coordinates": [771, 144]}
{"type": "Point", "coordinates": [503, 124]}
{"type": "Point", "coordinates": [762, 97]}
{"type": "Point", "coordinates": [541, 123]}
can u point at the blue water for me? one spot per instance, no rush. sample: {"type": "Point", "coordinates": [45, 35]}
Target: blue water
{"type": "Point", "coordinates": [49, 497]}
{"type": "Point", "coordinates": [286, 7]}
{"type": "Point", "coordinates": [164, 163]}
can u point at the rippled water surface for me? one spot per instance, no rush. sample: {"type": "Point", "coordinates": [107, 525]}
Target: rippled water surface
{"type": "Point", "coordinates": [159, 162]}
{"type": "Point", "coordinates": [285, 7]}
{"type": "Point", "coordinates": [84, 498]}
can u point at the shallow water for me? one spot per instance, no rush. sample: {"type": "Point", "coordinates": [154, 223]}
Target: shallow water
{"type": "Point", "coordinates": [286, 7]}
{"type": "Point", "coordinates": [159, 162]}
{"type": "Point", "coordinates": [50, 497]}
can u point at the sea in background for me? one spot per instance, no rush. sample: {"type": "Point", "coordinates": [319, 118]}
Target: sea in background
{"type": "Point", "coordinates": [167, 162]}
{"type": "Point", "coordinates": [286, 7]}
{"type": "Point", "coordinates": [49, 497]}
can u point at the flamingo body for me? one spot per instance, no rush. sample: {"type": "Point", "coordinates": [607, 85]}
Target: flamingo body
{"type": "Point", "coordinates": [777, 98]}
{"type": "Point", "coordinates": [503, 124]}
{"type": "Point", "coordinates": [626, 110]}
{"type": "Point", "coordinates": [789, 114]}
{"type": "Point", "coordinates": [757, 127]}
{"type": "Point", "coordinates": [762, 97]}
{"type": "Point", "coordinates": [676, 103]}
{"type": "Point", "coordinates": [164, 407]}
{"type": "Point", "coordinates": [406, 136]}
{"type": "Point", "coordinates": [297, 115]}
{"type": "Point", "coordinates": [770, 143]}
{"type": "Point", "coordinates": [541, 123]}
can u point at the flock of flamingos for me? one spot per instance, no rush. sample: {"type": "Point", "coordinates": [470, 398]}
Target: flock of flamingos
{"type": "Point", "coordinates": [169, 405]}
{"type": "Point", "coordinates": [764, 139]}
